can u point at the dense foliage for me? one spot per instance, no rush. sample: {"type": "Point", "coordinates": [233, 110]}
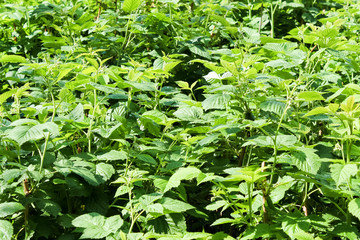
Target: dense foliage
{"type": "Point", "coordinates": [174, 119]}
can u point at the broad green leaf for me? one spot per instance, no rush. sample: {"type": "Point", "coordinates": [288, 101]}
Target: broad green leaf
{"type": "Point", "coordinates": [24, 121]}
{"type": "Point", "coordinates": [105, 170]}
{"type": "Point", "coordinates": [250, 174]}
{"type": "Point", "coordinates": [12, 59]}
{"type": "Point", "coordinates": [181, 174]}
{"type": "Point", "coordinates": [354, 207]}
{"type": "Point", "coordinates": [147, 199]}
{"type": "Point", "coordinates": [156, 116]}
{"type": "Point", "coordinates": [260, 231]}
{"type": "Point", "coordinates": [221, 236]}
{"type": "Point", "coordinates": [304, 159]}
{"type": "Point", "coordinates": [49, 207]}
{"type": "Point", "coordinates": [280, 188]}
{"type": "Point", "coordinates": [221, 20]}
{"type": "Point", "coordinates": [131, 5]}
{"type": "Point", "coordinates": [279, 63]}
{"type": "Point", "coordinates": [280, 47]}
{"type": "Point", "coordinates": [22, 134]}
{"type": "Point", "coordinates": [100, 87]}
{"type": "Point", "coordinates": [174, 205]}
{"type": "Point", "coordinates": [310, 96]}
{"type": "Point", "coordinates": [112, 155]}
{"type": "Point", "coordinates": [346, 231]}
{"type": "Point", "coordinates": [295, 223]}
{"type": "Point", "coordinates": [93, 62]}
{"type": "Point", "coordinates": [189, 113]}
{"type": "Point", "coordinates": [301, 235]}
{"type": "Point", "coordinates": [77, 114]}
{"type": "Point", "coordinates": [150, 125]}
{"type": "Point", "coordinates": [63, 73]}
{"type": "Point", "coordinates": [6, 95]}
{"type": "Point", "coordinates": [209, 139]}
{"type": "Point", "coordinates": [144, 86]}
{"type": "Point", "coordinates": [6, 230]}
{"type": "Point", "coordinates": [170, 65]}
{"type": "Point", "coordinates": [216, 101]}
{"type": "Point", "coordinates": [87, 175]}
{"type": "Point", "coordinates": [200, 50]}
{"type": "Point", "coordinates": [273, 106]}
{"type": "Point", "coordinates": [341, 173]}
{"type": "Point", "coordinates": [92, 224]}
{"type": "Point", "coordinates": [284, 140]}
{"type": "Point", "coordinates": [154, 208]}
{"type": "Point", "coordinates": [113, 223]}
{"type": "Point", "coordinates": [146, 158]}
{"type": "Point", "coordinates": [196, 235]}
{"type": "Point", "coordinates": [216, 205]}
{"type": "Point", "coordinates": [9, 208]}
{"type": "Point", "coordinates": [221, 221]}
{"type": "Point", "coordinates": [316, 111]}
{"type": "Point", "coordinates": [183, 84]}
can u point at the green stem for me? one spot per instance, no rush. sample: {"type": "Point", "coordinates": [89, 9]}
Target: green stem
{"type": "Point", "coordinates": [92, 116]}
{"type": "Point", "coordinates": [250, 202]}
{"type": "Point", "coordinates": [272, 16]}
{"type": "Point", "coordinates": [42, 156]}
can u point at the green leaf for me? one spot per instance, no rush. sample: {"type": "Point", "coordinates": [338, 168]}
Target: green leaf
{"type": "Point", "coordinates": [216, 205]}
{"type": "Point", "coordinates": [113, 223]}
{"type": "Point", "coordinates": [146, 158]}
{"type": "Point", "coordinates": [105, 170]}
{"type": "Point", "coordinates": [63, 73]}
{"type": "Point", "coordinates": [354, 207]}
{"type": "Point", "coordinates": [9, 208]}
{"type": "Point", "coordinates": [260, 231]}
{"type": "Point", "coordinates": [87, 175]}
{"type": "Point", "coordinates": [93, 225]}
{"type": "Point", "coordinates": [12, 59]}
{"type": "Point", "coordinates": [280, 47]}
{"type": "Point", "coordinates": [174, 205]}
{"type": "Point", "coordinates": [112, 155]}
{"type": "Point", "coordinates": [273, 106]}
{"type": "Point", "coordinates": [294, 223]}
{"type": "Point", "coordinates": [189, 113]}
{"type": "Point", "coordinates": [310, 96]}
{"type": "Point", "coordinates": [304, 159]}
{"type": "Point", "coordinates": [48, 207]}
{"type": "Point", "coordinates": [216, 101]}
{"type": "Point", "coordinates": [250, 174]}
{"type": "Point", "coordinates": [22, 134]}
{"type": "Point", "coordinates": [77, 114]}
{"type": "Point", "coordinates": [284, 140]}
{"type": "Point", "coordinates": [131, 5]}
{"type": "Point", "coordinates": [6, 95]}
{"type": "Point", "coordinates": [183, 84]}
{"type": "Point", "coordinates": [317, 111]}
{"type": "Point", "coordinates": [200, 50]}
{"type": "Point", "coordinates": [182, 174]}
{"type": "Point", "coordinates": [280, 188]}
{"type": "Point", "coordinates": [341, 173]}
{"type": "Point", "coordinates": [6, 230]}
{"type": "Point", "coordinates": [196, 235]}
{"type": "Point", "coordinates": [150, 125]}
{"type": "Point", "coordinates": [156, 116]}
{"type": "Point", "coordinates": [221, 221]}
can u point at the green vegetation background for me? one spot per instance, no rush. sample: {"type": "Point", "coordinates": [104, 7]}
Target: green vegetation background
{"type": "Point", "coordinates": [173, 119]}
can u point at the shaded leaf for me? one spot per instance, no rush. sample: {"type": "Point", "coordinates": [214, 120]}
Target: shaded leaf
{"type": "Point", "coordinates": [9, 208]}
